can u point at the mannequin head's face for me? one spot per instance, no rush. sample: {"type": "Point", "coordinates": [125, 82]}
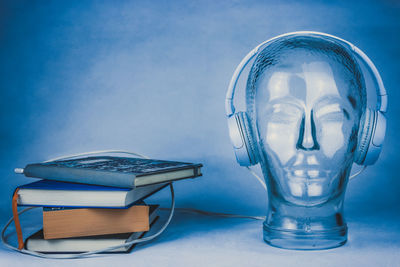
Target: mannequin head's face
{"type": "Point", "coordinates": [307, 104]}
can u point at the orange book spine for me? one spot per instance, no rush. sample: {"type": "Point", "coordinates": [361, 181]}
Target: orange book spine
{"type": "Point", "coordinates": [88, 222]}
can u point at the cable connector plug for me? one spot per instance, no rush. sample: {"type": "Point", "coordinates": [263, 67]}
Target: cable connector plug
{"type": "Point", "coordinates": [19, 170]}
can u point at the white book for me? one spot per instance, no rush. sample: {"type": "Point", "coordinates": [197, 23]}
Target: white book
{"type": "Point", "coordinates": [61, 194]}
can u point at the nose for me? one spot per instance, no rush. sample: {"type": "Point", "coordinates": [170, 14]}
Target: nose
{"type": "Point", "coordinates": [307, 135]}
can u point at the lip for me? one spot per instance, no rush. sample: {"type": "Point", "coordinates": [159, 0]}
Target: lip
{"type": "Point", "coordinates": [306, 172]}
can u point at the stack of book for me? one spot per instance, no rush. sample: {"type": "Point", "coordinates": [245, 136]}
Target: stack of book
{"type": "Point", "coordinates": [95, 202]}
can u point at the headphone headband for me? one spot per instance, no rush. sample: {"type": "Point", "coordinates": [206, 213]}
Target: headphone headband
{"type": "Point", "coordinates": [382, 99]}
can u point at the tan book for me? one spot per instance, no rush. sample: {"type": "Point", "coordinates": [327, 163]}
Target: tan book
{"type": "Point", "coordinates": [36, 242]}
{"type": "Point", "coordinates": [64, 223]}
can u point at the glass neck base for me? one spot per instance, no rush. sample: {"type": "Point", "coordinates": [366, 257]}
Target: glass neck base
{"type": "Point", "coordinates": [306, 228]}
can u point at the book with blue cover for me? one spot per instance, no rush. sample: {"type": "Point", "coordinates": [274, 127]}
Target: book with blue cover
{"type": "Point", "coordinates": [113, 171]}
{"type": "Point", "coordinates": [49, 193]}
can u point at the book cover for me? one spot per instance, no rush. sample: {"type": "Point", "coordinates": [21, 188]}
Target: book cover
{"type": "Point", "coordinates": [113, 171]}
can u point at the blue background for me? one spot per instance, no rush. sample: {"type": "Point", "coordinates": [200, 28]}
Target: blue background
{"type": "Point", "coordinates": [151, 77]}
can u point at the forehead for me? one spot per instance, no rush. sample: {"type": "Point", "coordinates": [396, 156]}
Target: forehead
{"type": "Point", "coordinates": [305, 79]}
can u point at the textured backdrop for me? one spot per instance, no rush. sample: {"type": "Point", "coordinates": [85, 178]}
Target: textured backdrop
{"type": "Point", "coordinates": [151, 77]}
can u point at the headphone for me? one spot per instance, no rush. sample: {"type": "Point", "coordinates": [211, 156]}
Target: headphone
{"type": "Point", "coordinates": [372, 124]}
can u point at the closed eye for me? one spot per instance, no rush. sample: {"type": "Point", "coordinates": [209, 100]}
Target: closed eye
{"type": "Point", "coordinates": [284, 112]}
{"type": "Point", "coordinates": [332, 112]}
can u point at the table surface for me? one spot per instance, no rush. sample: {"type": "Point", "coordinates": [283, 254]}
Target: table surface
{"type": "Point", "coordinates": [199, 240]}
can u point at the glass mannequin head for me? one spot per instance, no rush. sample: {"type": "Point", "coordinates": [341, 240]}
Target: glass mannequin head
{"type": "Point", "coordinates": [306, 96]}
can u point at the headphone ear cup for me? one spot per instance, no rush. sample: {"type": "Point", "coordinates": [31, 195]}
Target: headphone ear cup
{"type": "Point", "coordinates": [248, 137]}
{"type": "Point", "coordinates": [242, 139]}
{"type": "Point", "coordinates": [364, 137]}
